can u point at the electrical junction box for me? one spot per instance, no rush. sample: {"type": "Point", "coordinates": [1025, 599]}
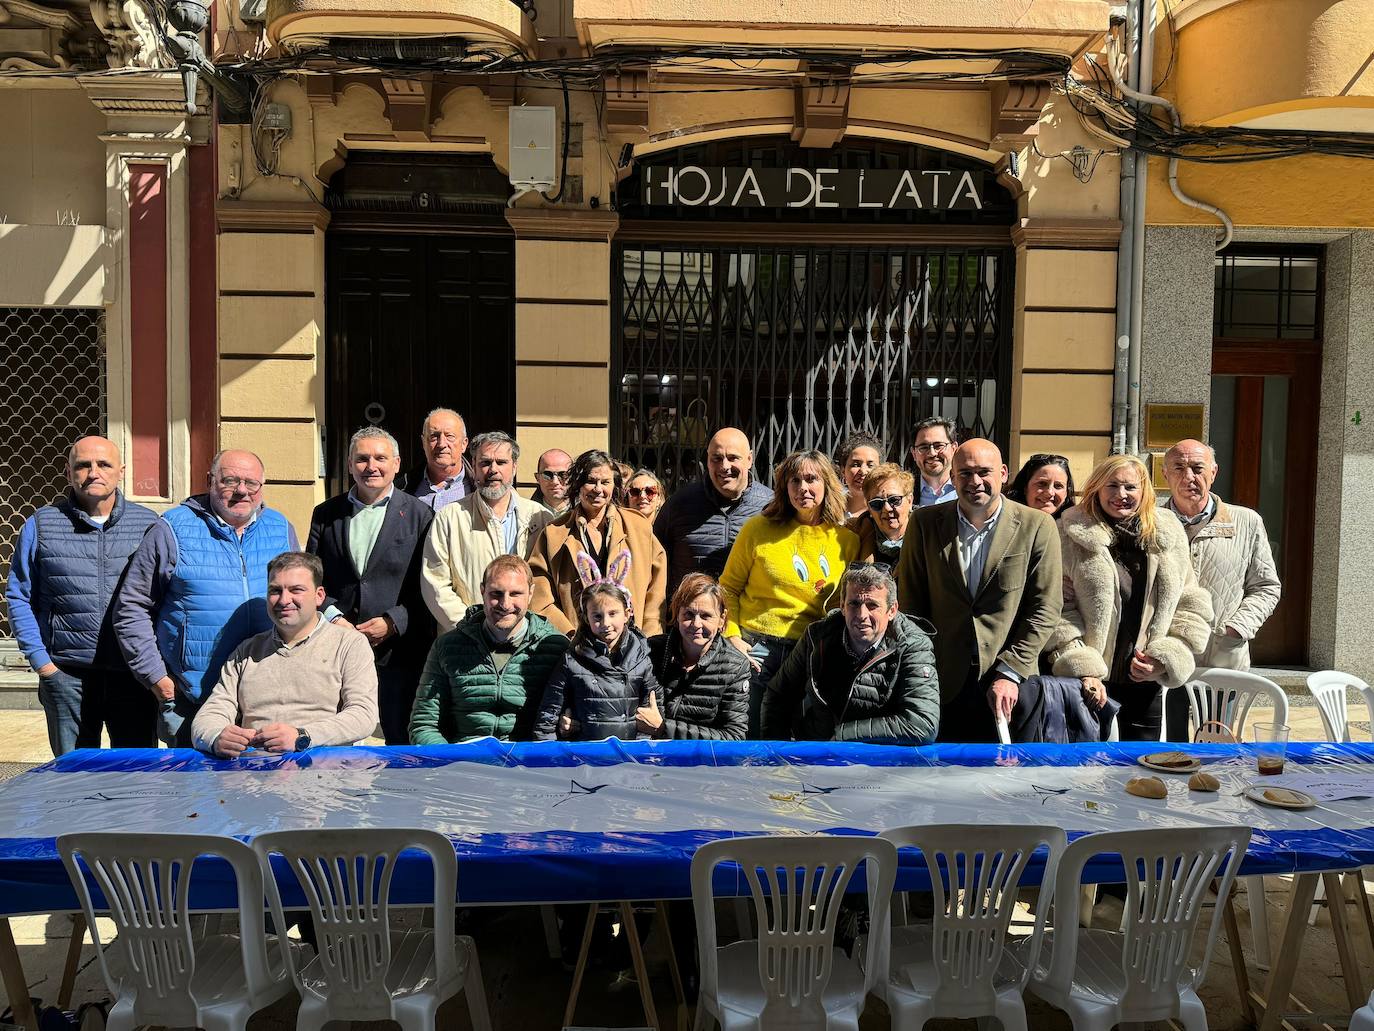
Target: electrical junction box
{"type": "Point", "coordinates": [533, 151]}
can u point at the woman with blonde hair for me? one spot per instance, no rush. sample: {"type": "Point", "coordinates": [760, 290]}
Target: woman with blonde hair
{"type": "Point", "coordinates": [644, 493]}
{"type": "Point", "coordinates": [785, 566]}
{"type": "Point", "coordinates": [1134, 615]}
{"type": "Point", "coordinates": [888, 492]}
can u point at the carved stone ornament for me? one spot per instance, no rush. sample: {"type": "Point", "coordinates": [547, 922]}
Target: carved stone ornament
{"type": "Point", "coordinates": [131, 34]}
{"type": "Point", "coordinates": [37, 37]}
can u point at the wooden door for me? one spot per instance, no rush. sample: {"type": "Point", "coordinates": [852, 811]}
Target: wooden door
{"type": "Point", "coordinates": [417, 321]}
{"type": "Point", "coordinates": [1264, 412]}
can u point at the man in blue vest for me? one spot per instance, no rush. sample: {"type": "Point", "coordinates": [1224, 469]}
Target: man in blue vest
{"type": "Point", "coordinates": [196, 589]}
{"type": "Point", "coordinates": [66, 566]}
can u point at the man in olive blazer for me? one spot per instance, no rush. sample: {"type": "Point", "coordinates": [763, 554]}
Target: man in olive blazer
{"type": "Point", "coordinates": [987, 573]}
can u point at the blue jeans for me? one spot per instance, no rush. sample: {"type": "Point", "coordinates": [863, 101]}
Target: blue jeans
{"type": "Point", "coordinates": [79, 701]}
{"type": "Point", "coordinates": [769, 653]}
{"type": "Point", "coordinates": [174, 720]}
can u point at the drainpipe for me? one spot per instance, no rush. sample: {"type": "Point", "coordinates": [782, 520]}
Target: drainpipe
{"type": "Point", "coordinates": [1121, 359]}
{"type": "Point", "coordinates": [1135, 90]}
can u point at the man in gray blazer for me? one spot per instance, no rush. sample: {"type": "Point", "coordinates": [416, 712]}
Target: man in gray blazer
{"type": "Point", "coordinates": [986, 572]}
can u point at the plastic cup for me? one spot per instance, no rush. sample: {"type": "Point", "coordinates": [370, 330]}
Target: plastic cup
{"type": "Point", "coordinates": [1271, 743]}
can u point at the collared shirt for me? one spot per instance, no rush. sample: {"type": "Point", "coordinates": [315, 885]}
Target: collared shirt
{"type": "Point", "coordinates": [228, 526]}
{"type": "Point", "coordinates": [510, 522]}
{"type": "Point", "coordinates": [1208, 510]}
{"type": "Point", "coordinates": [935, 497]}
{"type": "Point", "coordinates": [445, 492]}
{"type": "Point", "coordinates": [281, 642]}
{"type": "Point", "coordinates": [973, 548]}
{"type": "Point", "coordinates": [364, 524]}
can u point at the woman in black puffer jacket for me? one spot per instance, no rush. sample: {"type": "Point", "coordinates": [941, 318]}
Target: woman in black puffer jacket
{"type": "Point", "coordinates": [704, 682]}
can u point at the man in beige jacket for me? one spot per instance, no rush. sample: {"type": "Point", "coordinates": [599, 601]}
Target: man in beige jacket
{"type": "Point", "coordinates": [466, 536]}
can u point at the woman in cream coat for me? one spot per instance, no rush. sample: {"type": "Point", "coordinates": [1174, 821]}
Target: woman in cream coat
{"type": "Point", "coordinates": [1134, 616]}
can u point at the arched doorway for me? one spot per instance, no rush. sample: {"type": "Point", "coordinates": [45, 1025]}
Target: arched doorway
{"type": "Point", "coordinates": [801, 322]}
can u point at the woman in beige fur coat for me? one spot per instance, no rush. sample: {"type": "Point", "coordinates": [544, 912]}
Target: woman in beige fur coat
{"type": "Point", "coordinates": [1134, 616]}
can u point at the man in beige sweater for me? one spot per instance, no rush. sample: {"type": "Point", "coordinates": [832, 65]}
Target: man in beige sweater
{"type": "Point", "coordinates": [305, 683]}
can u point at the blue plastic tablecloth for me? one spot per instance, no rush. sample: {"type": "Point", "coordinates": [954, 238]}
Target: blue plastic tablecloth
{"type": "Point", "coordinates": [527, 819]}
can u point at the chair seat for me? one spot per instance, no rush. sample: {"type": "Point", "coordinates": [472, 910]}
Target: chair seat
{"type": "Point", "coordinates": [1097, 975]}
{"type": "Point", "coordinates": [219, 975]}
{"type": "Point", "coordinates": [742, 997]}
{"type": "Point", "coordinates": [411, 970]}
{"type": "Point", "coordinates": [912, 961]}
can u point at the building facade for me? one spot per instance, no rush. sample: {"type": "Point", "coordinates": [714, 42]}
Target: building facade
{"type": "Point", "coordinates": [749, 224]}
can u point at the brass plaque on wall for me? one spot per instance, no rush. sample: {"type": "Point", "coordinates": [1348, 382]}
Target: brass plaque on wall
{"type": "Point", "coordinates": [1166, 425]}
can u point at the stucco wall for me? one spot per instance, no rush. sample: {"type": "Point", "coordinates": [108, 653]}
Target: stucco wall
{"type": "Point", "coordinates": [1176, 355]}
{"type": "Point", "coordinates": [1343, 562]}
{"type": "Point", "coordinates": [52, 163]}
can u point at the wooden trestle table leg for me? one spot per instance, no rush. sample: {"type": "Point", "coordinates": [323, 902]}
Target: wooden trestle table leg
{"type": "Point", "coordinates": [16, 984]}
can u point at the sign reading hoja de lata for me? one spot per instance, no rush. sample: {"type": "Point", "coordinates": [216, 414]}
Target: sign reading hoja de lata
{"type": "Point", "coordinates": [936, 189]}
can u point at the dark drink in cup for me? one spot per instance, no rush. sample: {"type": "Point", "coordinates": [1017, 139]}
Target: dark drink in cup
{"type": "Point", "coordinates": [1270, 765]}
{"type": "Point", "coordinates": [1271, 743]}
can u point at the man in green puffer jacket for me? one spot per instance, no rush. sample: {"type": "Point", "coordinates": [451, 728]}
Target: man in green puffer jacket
{"type": "Point", "coordinates": [486, 676]}
{"type": "Point", "coordinates": [865, 673]}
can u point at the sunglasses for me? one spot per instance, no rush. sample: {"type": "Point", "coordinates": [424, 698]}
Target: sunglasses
{"type": "Point", "coordinates": [648, 492]}
{"type": "Point", "coordinates": [891, 501]}
{"type": "Point", "coordinates": [555, 474]}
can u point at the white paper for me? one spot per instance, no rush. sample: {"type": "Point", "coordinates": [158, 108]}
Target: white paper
{"type": "Point", "coordinates": [1323, 788]}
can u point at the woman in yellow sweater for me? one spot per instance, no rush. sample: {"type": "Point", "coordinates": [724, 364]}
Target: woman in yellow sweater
{"type": "Point", "coordinates": [785, 567]}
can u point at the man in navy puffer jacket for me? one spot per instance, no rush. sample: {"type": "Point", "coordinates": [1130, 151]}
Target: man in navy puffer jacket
{"type": "Point", "coordinates": [66, 566]}
{"type": "Point", "coordinates": [197, 587]}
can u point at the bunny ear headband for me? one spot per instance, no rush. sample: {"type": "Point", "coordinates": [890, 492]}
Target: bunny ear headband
{"type": "Point", "coordinates": [616, 572]}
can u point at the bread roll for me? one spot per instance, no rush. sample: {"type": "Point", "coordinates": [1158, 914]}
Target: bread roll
{"type": "Point", "coordinates": [1147, 787]}
{"type": "Point", "coordinates": [1203, 782]}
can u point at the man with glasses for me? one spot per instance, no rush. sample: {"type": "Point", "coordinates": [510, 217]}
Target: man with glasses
{"type": "Point", "coordinates": [699, 523]}
{"type": "Point", "coordinates": [552, 492]}
{"type": "Point", "coordinates": [196, 589]}
{"type": "Point", "coordinates": [933, 453]}
{"type": "Point", "coordinates": [468, 536]}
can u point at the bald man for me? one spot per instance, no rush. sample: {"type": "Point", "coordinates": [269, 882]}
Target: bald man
{"type": "Point", "coordinates": [196, 589]}
{"type": "Point", "coordinates": [987, 574]}
{"type": "Point", "coordinates": [66, 564]}
{"type": "Point", "coordinates": [552, 472]}
{"type": "Point", "coordinates": [1233, 560]}
{"type": "Point", "coordinates": [700, 522]}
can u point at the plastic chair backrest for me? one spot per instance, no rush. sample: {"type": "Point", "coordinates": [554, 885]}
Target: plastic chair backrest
{"type": "Point", "coordinates": [797, 884]}
{"type": "Point", "coordinates": [975, 870]}
{"type": "Point", "coordinates": [146, 882]}
{"type": "Point", "coordinates": [346, 877]}
{"type": "Point", "coordinates": [1328, 688]}
{"type": "Point", "coordinates": [1168, 873]}
{"type": "Point", "coordinates": [1226, 696]}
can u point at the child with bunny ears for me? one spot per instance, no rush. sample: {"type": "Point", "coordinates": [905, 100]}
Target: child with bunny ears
{"type": "Point", "coordinates": [606, 676]}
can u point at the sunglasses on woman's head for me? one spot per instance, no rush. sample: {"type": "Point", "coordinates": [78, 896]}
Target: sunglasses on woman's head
{"type": "Point", "coordinates": [891, 501]}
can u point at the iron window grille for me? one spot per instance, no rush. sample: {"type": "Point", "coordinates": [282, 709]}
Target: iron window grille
{"type": "Point", "coordinates": [52, 377]}
{"type": "Point", "coordinates": [800, 345]}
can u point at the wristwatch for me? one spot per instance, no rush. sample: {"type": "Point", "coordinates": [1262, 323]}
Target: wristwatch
{"type": "Point", "coordinates": [302, 739]}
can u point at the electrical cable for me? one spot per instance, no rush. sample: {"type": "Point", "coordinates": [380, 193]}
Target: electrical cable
{"type": "Point", "coordinates": [567, 133]}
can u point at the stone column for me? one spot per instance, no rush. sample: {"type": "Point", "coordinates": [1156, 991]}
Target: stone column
{"type": "Point", "coordinates": [147, 287]}
{"type": "Point", "coordinates": [563, 394]}
{"type": "Point", "coordinates": [1065, 340]}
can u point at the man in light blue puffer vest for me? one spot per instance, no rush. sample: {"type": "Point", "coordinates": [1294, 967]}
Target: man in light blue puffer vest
{"type": "Point", "coordinates": [196, 589]}
{"type": "Point", "coordinates": [67, 563]}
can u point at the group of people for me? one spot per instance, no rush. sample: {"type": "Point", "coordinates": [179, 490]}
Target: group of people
{"type": "Point", "coordinates": [853, 600]}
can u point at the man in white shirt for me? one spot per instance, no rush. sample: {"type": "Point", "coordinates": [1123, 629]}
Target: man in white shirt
{"type": "Point", "coordinates": [933, 453]}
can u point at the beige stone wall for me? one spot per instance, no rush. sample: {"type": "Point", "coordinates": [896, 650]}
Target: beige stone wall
{"type": "Point", "coordinates": [52, 163]}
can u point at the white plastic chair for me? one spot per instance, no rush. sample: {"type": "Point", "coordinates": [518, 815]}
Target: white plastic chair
{"type": "Point", "coordinates": [1102, 978]}
{"type": "Point", "coordinates": [958, 965]}
{"type": "Point", "coordinates": [158, 970]}
{"type": "Point", "coordinates": [364, 970]}
{"type": "Point", "coordinates": [1226, 696]}
{"type": "Point", "coordinates": [1328, 688]}
{"type": "Point", "coordinates": [792, 975]}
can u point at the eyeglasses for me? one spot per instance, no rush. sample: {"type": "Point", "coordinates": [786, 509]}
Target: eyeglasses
{"type": "Point", "coordinates": [555, 474]}
{"type": "Point", "coordinates": [236, 482]}
{"type": "Point", "coordinates": [648, 492]}
{"type": "Point", "coordinates": [934, 447]}
{"type": "Point", "coordinates": [891, 501]}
